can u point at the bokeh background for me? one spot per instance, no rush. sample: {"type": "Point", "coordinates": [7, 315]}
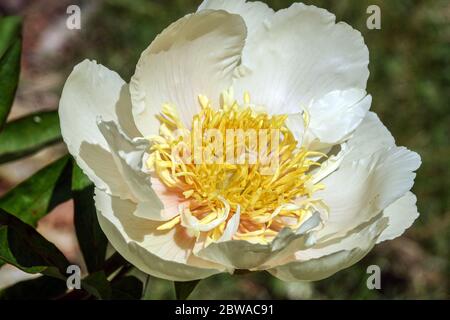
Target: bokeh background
{"type": "Point", "coordinates": [409, 81]}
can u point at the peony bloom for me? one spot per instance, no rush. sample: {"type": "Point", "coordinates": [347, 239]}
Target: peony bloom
{"type": "Point", "coordinates": [339, 185]}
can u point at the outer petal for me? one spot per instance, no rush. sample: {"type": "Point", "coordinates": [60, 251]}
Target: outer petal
{"type": "Point", "coordinates": [359, 190]}
{"type": "Point", "coordinates": [162, 254]}
{"type": "Point", "coordinates": [253, 12]}
{"type": "Point", "coordinates": [195, 55]}
{"type": "Point", "coordinates": [331, 260]}
{"type": "Point", "coordinates": [316, 264]}
{"type": "Point", "coordinates": [91, 91]}
{"type": "Point", "coordinates": [401, 215]}
{"type": "Point", "coordinates": [241, 254]}
{"type": "Point", "coordinates": [129, 156]}
{"type": "Point", "coordinates": [300, 54]}
{"type": "Point", "coordinates": [370, 137]}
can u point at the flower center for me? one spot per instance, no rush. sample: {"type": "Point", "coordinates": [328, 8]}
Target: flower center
{"type": "Point", "coordinates": [240, 172]}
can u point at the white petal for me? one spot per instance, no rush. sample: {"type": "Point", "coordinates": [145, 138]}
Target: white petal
{"type": "Point", "coordinates": [92, 90]}
{"type": "Point", "coordinates": [241, 254]}
{"type": "Point", "coordinates": [337, 114]}
{"type": "Point", "coordinates": [125, 115]}
{"type": "Point", "coordinates": [253, 12]}
{"type": "Point", "coordinates": [331, 164]}
{"type": "Point", "coordinates": [165, 255]}
{"type": "Point", "coordinates": [401, 214]}
{"type": "Point", "coordinates": [194, 226]}
{"type": "Point", "coordinates": [359, 190]}
{"type": "Point", "coordinates": [170, 200]}
{"type": "Point", "coordinates": [129, 156]}
{"type": "Point", "coordinates": [296, 125]}
{"type": "Point", "coordinates": [232, 226]}
{"type": "Point", "coordinates": [370, 137]}
{"type": "Point", "coordinates": [316, 264]}
{"type": "Point", "coordinates": [195, 55]}
{"type": "Point", "coordinates": [300, 54]}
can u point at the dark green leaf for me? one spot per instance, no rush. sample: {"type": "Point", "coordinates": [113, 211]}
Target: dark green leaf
{"type": "Point", "coordinates": [98, 285]}
{"type": "Point", "coordinates": [28, 135]}
{"type": "Point", "coordinates": [36, 196]}
{"type": "Point", "coordinates": [9, 77]}
{"type": "Point", "coordinates": [43, 287]}
{"type": "Point", "coordinates": [90, 236]}
{"type": "Point", "coordinates": [22, 246]}
{"type": "Point", "coordinates": [10, 28]}
{"type": "Point", "coordinates": [184, 289]}
{"type": "Point", "coordinates": [114, 263]}
{"type": "Point", "coordinates": [10, 49]}
{"type": "Point", "coordinates": [127, 288]}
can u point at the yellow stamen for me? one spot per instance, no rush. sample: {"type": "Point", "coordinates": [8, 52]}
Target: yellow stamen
{"type": "Point", "coordinates": [267, 202]}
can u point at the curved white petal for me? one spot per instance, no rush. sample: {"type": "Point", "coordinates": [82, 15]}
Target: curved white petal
{"type": "Point", "coordinates": [335, 116]}
{"type": "Point", "coordinates": [300, 54]}
{"type": "Point", "coordinates": [296, 124]}
{"type": "Point", "coordinates": [232, 226]}
{"type": "Point", "coordinates": [253, 12]}
{"type": "Point", "coordinates": [330, 165]}
{"type": "Point", "coordinates": [319, 263]}
{"type": "Point", "coordinates": [194, 226]}
{"type": "Point", "coordinates": [170, 201]}
{"type": "Point", "coordinates": [129, 156]}
{"type": "Point", "coordinates": [92, 90]}
{"type": "Point", "coordinates": [124, 114]}
{"type": "Point", "coordinates": [360, 189]}
{"type": "Point", "coordinates": [163, 254]}
{"type": "Point", "coordinates": [370, 137]}
{"type": "Point", "coordinates": [241, 254]}
{"type": "Point", "coordinates": [401, 214]}
{"type": "Point", "coordinates": [195, 55]}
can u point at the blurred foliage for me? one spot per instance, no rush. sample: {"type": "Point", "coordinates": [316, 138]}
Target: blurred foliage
{"type": "Point", "coordinates": [409, 82]}
{"type": "Point", "coordinates": [28, 134]}
{"type": "Point", "coordinates": [37, 196]}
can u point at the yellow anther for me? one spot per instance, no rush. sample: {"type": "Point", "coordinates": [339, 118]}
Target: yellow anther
{"type": "Point", "coordinates": [246, 97]}
{"type": "Point", "coordinates": [169, 225]}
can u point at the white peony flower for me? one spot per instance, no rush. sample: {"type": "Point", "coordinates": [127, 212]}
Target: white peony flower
{"type": "Point", "coordinates": [340, 185]}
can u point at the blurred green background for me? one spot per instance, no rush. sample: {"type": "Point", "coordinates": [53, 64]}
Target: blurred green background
{"type": "Point", "coordinates": [410, 84]}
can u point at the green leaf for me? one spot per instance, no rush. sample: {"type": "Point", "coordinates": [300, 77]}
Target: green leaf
{"type": "Point", "coordinates": [79, 179]}
{"type": "Point", "coordinates": [10, 52]}
{"type": "Point", "coordinates": [127, 288]}
{"type": "Point", "coordinates": [9, 74]}
{"type": "Point", "coordinates": [98, 285]}
{"type": "Point", "coordinates": [39, 194]}
{"type": "Point", "coordinates": [90, 236]}
{"type": "Point", "coordinates": [28, 135]}
{"type": "Point", "coordinates": [40, 288]}
{"type": "Point", "coordinates": [10, 28]}
{"type": "Point", "coordinates": [184, 289]}
{"type": "Point", "coordinates": [22, 246]}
